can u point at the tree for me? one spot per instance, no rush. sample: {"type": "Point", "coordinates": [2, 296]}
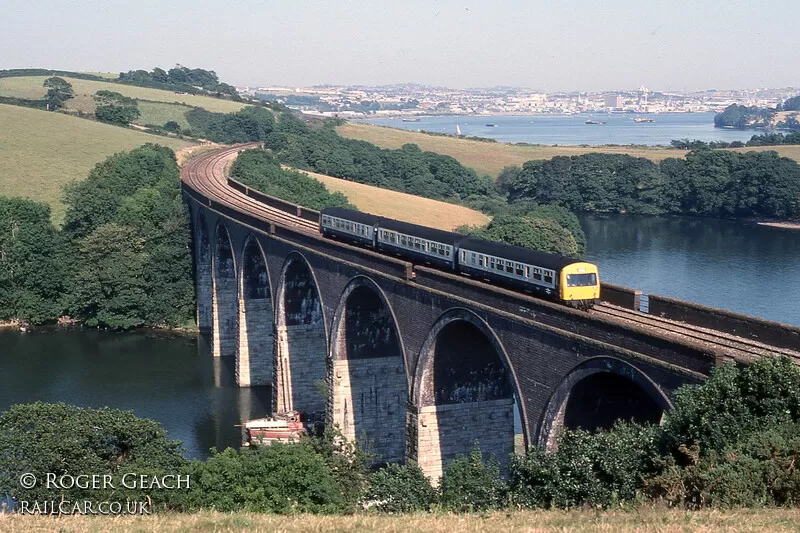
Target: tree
{"type": "Point", "coordinates": [114, 108]}
{"type": "Point", "coordinates": [31, 273]}
{"type": "Point", "coordinates": [533, 233]}
{"type": "Point", "coordinates": [792, 104]}
{"type": "Point", "coordinates": [58, 92]}
{"type": "Point", "coordinates": [43, 438]}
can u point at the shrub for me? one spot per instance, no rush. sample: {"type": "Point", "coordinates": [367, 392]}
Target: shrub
{"type": "Point", "coordinates": [401, 489]}
{"type": "Point", "coordinates": [599, 468]}
{"type": "Point", "coordinates": [42, 438]}
{"type": "Point", "coordinates": [470, 484]}
{"type": "Point", "coordinates": [282, 478]}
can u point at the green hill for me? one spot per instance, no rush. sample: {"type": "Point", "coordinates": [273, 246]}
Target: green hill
{"type": "Point", "coordinates": [40, 150]}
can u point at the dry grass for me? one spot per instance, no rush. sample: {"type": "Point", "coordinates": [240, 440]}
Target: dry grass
{"type": "Point", "coordinates": [638, 520]}
{"type": "Point", "coordinates": [487, 158]}
{"type": "Point", "coordinates": [40, 151]}
{"type": "Point", "coordinates": [159, 113]}
{"type": "Point", "coordinates": [791, 151]}
{"type": "Point", "coordinates": [401, 206]}
{"type": "Point", "coordinates": [31, 87]}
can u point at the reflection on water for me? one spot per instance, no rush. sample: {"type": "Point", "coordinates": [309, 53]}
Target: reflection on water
{"type": "Point", "coordinates": [732, 265]}
{"type": "Point", "coordinates": [173, 380]}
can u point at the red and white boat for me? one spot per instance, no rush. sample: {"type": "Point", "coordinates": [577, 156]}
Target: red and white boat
{"type": "Point", "coordinates": [280, 427]}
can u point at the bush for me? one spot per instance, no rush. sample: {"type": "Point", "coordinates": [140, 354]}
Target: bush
{"type": "Point", "coordinates": [401, 489]}
{"type": "Point", "coordinates": [470, 484]}
{"type": "Point", "coordinates": [735, 401]}
{"type": "Point", "coordinates": [42, 438]}
{"type": "Point", "coordinates": [599, 468]}
{"type": "Point", "coordinates": [282, 478]}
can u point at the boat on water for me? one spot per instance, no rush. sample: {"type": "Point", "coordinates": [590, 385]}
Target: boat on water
{"type": "Point", "coordinates": [458, 130]}
{"type": "Point", "coordinates": [644, 119]}
{"type": "Point", "coordinates": [410, 120]}
{"type": "Point", "coordinates": [491, 125]}
{"type": "Point", "coordinates": [280, 427]}
{"type": "Point", "coordinates": [594, 122]}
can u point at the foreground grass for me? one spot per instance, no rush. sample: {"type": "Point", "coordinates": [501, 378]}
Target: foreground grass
{"type": "Point", "coordinates": [487, 158]}
{"type": "Point", "coordinates": [31, 87]}
{"type": "Point", "coordinates": [40, 151]}
{"type": "Point", "coordinates": [401, 206]}
{"type": "Point", "coordinates": [638, 520]}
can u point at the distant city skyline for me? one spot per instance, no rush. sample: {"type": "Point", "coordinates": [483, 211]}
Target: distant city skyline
{"type": "Point", "coordinates": [583, 45]}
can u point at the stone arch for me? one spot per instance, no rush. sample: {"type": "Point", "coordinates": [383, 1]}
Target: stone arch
{"type": "Point", "coordinates": [254, 363]}
{"type": "Point", "coordinates": [302, 341]}
{"type": "Point", "coordinates": [203, 275]}
{"type": "Point", "coordinates": [597, 392]}
{"type": "Point", "coordinates": [369, 383]}
{"type": "Point", "coordinates": [225, 329]}
{"type": "Point", "coordinates": [464, 391]}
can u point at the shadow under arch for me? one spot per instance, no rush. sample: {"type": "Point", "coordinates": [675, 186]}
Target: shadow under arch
{"type": "Point", "coordinates": [254, 361]}
{"type": "Point", "coordinates": [301, 341]}
{"type": "Point", "coordinates": [369, 381]}
{"type": "Point", "coordinates": [225, 328]}
{"type": "Point", "coordinates": [464, 390]}
{"type": "Point", "coordinates": [628, 394]}
{"type": "Point", "coordinates": [204, 282]}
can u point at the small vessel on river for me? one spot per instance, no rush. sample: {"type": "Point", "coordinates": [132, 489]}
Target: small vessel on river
{"type": "Point", "coordinates": [280, 427]}
{"type": "Point", "coordinates": [644, 119]}
{"type": "Point", "coordinates": [410, 120]}
{"type": "Point", "coordinates": [594, 122]}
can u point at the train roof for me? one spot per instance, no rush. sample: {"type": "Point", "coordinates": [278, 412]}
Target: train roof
{"type": "Point", "coordinates": [517, 253]}
{"type": "Point", "coordinates": [424, 232]}
{"type": "Point", "coordinates": [349, 214]}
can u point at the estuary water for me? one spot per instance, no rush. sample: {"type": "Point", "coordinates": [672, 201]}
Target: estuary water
{"type": "Point", "coordinates": [171, 379]}
{"type": "Point", "coordinates": [572, 129]}
{"type": "Point", "coordinates": [732, 265]}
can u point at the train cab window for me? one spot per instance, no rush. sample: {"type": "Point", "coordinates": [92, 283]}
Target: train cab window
{"type": "Point", "coordinates": [581, 280]}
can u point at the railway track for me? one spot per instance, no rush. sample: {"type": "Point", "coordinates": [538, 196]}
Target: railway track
{"type": "Point", "coordinates": [206, 175]}
{"type": "Point", "coordinates": [737, 347]}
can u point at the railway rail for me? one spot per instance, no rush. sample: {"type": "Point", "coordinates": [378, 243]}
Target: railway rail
{"type": "Point", "coordinates": [206, 175]}
{"type": "Point", "coordinates": [738, 348]}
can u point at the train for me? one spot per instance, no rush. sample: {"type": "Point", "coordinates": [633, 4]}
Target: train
{"type": "Point", "coordinates": [570, 281]}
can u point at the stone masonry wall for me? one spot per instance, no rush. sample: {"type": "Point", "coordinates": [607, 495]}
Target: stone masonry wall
{"type": "Point", "coordinates": [225, 334]}
{"type": "Point", "coordinates": [205, 288]}
{"type": "Point", "coordinates": [369, 403]}
{"type": "Point", "coordinates": [302, 353]}
{"type": "Point", "coordinates": [255, 358]}
{"type": "Point", "coordinates": [444, 431]}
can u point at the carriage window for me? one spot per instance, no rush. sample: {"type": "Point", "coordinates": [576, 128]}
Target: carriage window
{"type": "Point", "coordinates": [403, 240]}
{"type": "Point", "coordinates": [548, 277]}
{"type": "Point", "coordinates": [417, 244]}
{"type": "Point", "coordinates": [463, 256]}
{"type": "Point", "coordinates": [509, 267]}
{"type": "Point", "coordinates": [480, 260]}
{"type": "Point", "coordinates": [527, 271]}
{"type": "Point", "coordinates": [537, 274]}
{"type": "Point", "coordinates": [518, 269]}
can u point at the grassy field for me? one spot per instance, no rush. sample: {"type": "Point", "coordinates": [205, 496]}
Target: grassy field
{"type": "Point", "coordinates": [578, 521]}
{"type": "Point", "coordinates": [31, 87]}
{"type": "Point", "coordinates": [40, 151]}
{"type": "Point", "coordinates": [401, 206]}
{"type": "Point", "coordinates": [486, 158]}
{"type": "Point", "coordinates": [158, 113]}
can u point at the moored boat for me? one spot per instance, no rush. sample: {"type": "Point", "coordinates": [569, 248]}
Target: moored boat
{"type": "Point", "coordinates": [594, 122]}
{"type": "Point", "coordinates": [280, 427]}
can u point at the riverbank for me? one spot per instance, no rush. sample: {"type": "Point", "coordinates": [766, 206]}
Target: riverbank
{"type": "Point", "coordinates": [628, 521]}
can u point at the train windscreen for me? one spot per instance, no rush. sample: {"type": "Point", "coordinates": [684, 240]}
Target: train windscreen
{"type": "Point", "coordinates": [581, 280]}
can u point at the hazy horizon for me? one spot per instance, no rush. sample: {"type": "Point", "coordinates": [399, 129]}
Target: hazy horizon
{"type": "Point", "coordinates": [583, 46]}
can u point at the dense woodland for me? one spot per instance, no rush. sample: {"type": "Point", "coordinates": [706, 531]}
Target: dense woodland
{"type": "Point", "coordinates": [122, 258]}
{"type": "Point", "coordinates": [179, 78]}
{"type": "Point", "coordinates": [739, 116]}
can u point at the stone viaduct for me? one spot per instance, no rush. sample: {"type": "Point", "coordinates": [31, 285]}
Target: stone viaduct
{"type": "Point", "coordinates": [421, 363]}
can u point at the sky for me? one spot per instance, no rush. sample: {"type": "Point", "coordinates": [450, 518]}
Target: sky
{"type": "Point", "coordinates": [555, 45]}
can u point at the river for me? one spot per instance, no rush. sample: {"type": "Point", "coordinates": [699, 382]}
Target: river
{"type": "Point", "coordinates": [572, 129]}
{"type": "Point", "coordinates": [174, 380]}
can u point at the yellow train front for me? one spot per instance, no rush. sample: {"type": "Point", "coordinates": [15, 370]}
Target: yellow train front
{"type": "Point", "coordinates": [579, 284]}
